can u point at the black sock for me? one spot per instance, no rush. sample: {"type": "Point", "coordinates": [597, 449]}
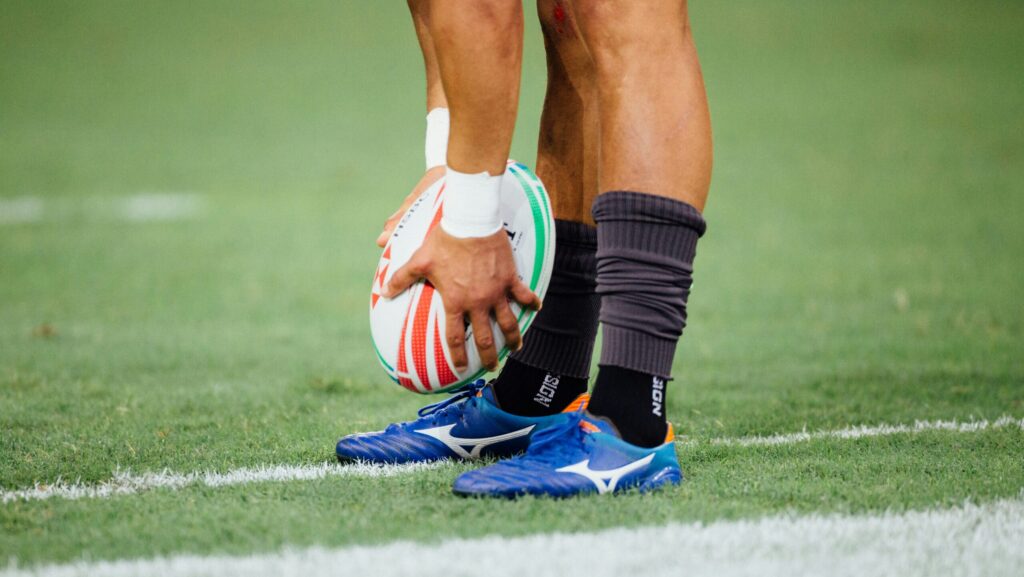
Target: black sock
{"type": "Point", "coordinates": [531, 392]}
{"type": "Point", "coordinates": [561, 339]}
{"type": "Point", "coordinates": [634, 402]}
{"type": "Point", "coordinates": [646, 246]}
{"type": "Point", "coordinates": [645, 250]}
{"type": "Point", "coordinates": [553, 366]}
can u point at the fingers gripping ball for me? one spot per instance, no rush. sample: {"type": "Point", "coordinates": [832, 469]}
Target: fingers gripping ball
{"type": "Point", "coordinates": [409, 330]}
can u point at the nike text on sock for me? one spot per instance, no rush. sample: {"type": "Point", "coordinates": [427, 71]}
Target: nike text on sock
{"type": "Point", "coordinates": [548, 388]}
{"type": "Point", "coordinates": [534, 392]}
{"type": "Point", "coordinates": [658, 396]}
{"type": "Point", "coordinates": [634, 402]}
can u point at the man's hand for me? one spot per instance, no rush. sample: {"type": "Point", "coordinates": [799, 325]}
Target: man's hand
{"type": "Point", "coordinates": [428, 178]}
{"type": "Point", "coordinates": [475, 277]}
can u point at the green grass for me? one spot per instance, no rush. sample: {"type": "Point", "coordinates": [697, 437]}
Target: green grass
{"type": "Point", "coordinates": [892, 473]}
{"type": "Point", "coordinates": [863, 265]}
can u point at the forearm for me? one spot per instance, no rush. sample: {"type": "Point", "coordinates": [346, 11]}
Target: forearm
{"type": "Point", "coordinates": [420, 10]}
{"type": "Point", "coordinates": [478, 46]}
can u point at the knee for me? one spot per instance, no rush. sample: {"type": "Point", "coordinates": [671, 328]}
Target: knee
{"type": "Point", "coordinates": [595, 15]}
{"type": "Point", "coordinates": [609, 30]}
{"type": "Point", "coordinates": [501, 14]}
{"type": "Point", "coordinates": [619, 32]}
{"type": "Point", "coordinates": [483, 16]}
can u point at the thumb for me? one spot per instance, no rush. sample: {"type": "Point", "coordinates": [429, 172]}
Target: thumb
{"type": "Point", "coordinates": [404, 278]}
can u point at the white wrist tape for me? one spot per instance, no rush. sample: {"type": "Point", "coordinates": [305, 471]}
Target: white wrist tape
{"type": "Point", "coordinates": [436, 147]}
{"type": "Point", "coordinates": [471, 204]}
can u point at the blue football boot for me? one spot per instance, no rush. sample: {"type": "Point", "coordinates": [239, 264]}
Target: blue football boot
{"type": "Point", "coordinates": [467, 425]}
{"type": "Point", "coordinates": [581, 455]}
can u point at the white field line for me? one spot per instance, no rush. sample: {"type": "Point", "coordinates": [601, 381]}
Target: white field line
{"type": "Point", "coordinates": [967, 540]}
{"type": "Point", "coordinates": [125, 483]}
{"type": "Point", "coordinates": [160, 206]}
{"type": "Point", "coordinates": [861, 431]}
{"type": "Point", "coordinates": [20, 209]}
{"type": "Point", "coordinates": [128, 484]}
{"type": "Point", "coordinates": [142, 207]}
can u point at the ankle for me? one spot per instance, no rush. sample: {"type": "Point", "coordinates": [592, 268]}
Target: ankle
{"type": "Point", "coordinates": [633, 402]}
{"type": "Point", "coordinates": [529, 391]}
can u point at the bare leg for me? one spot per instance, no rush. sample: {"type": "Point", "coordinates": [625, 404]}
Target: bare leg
{"type": "Point", "coordinates": [655, 170]}
{"type": "Point", "coordinates": [553, 367]}
{"type": "Point", "coordinates": [567, 150]}
{"type": "Point", "coordinates": [655, 125]}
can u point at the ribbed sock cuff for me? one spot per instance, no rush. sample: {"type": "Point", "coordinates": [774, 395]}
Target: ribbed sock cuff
{"type": "Point", "coordinates": [566, 356]}
{"type": "Point", "coordinates": [574, 235]}
{"type": "Point", "coordinates": [646, 247]}
{"type": "Point", "coordinates": [638, 351]}
{"type": "Point", "coordinates": [561, 339]}
{"type": "Point", "coordinates": [665, 227]}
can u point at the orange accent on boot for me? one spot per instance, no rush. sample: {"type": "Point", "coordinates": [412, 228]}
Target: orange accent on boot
{"type": "Point", "coordinates": [670, 435]}
{"type": "Point", "coordinates": [589, 427]}
{"type": "Point", "coordinates": [581, 402]}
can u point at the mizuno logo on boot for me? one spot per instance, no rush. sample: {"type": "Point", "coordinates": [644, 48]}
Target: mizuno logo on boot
{"type": "Point", "coordinates": [605, 481]}
{"type": "Point", "coordinates": [458, 445]}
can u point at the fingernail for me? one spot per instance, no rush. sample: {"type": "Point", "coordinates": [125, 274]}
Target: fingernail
{"type": "Point", "coordinates": [460, 368]}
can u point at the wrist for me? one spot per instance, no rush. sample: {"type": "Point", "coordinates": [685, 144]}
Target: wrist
{"type": "Point", "coordinates": [471, 204]}
{"type": "Point", "coordinates": [435, 148]}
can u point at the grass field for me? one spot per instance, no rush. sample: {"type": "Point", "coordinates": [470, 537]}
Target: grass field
{"type": "Point", "coordinates": [189, 195]}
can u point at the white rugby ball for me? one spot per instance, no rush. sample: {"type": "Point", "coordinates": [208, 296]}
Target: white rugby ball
{"type": "Point", "coordinates": [409, 330]}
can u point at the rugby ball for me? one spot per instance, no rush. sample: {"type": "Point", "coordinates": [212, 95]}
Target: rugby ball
{"type": "Point", "coordinates": [409, 330]}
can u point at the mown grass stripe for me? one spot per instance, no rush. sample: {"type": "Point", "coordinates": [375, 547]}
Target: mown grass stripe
{"type": "Point", "coordinates": [124, 483]}
{"type": "Point", "coordinates": [966, 540]}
